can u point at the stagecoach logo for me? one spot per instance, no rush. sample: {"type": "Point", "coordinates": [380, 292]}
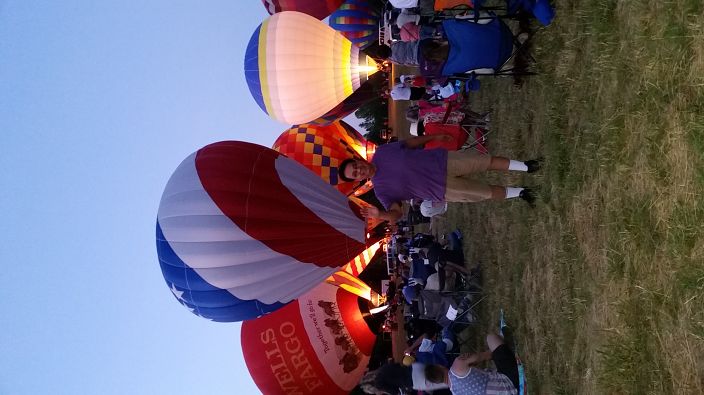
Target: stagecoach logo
{"type": "Point", "coordinates": [348, 355]}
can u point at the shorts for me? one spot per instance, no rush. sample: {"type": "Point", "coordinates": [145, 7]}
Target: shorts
{"type": "Point", "coordinates": [506, 364]}
{"type": "Point", "coordinates": [459, 189]}
{"type": "Point", "coordinates": [461, 163]}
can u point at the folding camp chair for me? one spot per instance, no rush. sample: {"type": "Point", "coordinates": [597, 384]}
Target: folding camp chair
{"type": "Point", "coordinates": [446, 310]}
{"type": "Point", "coordinates": [467, 316]}
{"type": "Point", "coordinates": [455, 284]}
{"type": "Point", "coordinates": [477, 49]}
{"type": "Point", "coordinates": [483, 48]}
{"type": "Point", "coordinates": [477, 129]}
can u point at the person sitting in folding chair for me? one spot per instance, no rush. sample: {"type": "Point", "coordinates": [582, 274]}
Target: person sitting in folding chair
{"type": "Point", "coordinates": [414, 80]}
{"type": "Point", "coordinates": [410, 53]}
{"type": "Point", "coordinates": [420, 267]}
{"type": "Point", "coordinates": [400, 172]}
{"type": "Point", "coordinates": [394, 378]}
{"type": "Point", "coordinates": [438, 90]}
{"type": "Point", "coordinates": [464, 378]}
{"type": "Point", "coordinates": [430, 350]}
{"type": "Point", "coordinates": [449, 265]}
{"type": "Point", "coordinates": [413, 27]}
{"type": "Point", "coordinates": [433, 266]}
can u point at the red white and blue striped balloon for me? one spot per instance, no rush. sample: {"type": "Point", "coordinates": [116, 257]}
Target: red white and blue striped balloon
{"type": "Point", "coordinates": [242, 230]}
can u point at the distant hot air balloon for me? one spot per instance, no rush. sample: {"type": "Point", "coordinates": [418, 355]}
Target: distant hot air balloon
{"type": "Point", "coordinates": [317, 8]}
{"type": "Point", "coordinates": [357, 21]}
{"type": "Point", "coordinates": [322, 148]}
{"type": "Point", "coordinates": [242, 230]}
{"type": "Point", "coordinates": [298, 68]}
{"type": "Point", "coordinates": [319, 344]}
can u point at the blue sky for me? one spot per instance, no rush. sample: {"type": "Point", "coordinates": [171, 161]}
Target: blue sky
{"type": "Point", "coordinates": [99, 102]}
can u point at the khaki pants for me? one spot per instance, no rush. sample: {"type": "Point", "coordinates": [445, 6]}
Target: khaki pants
{"type": "Point", "coordinates": [460, 189]}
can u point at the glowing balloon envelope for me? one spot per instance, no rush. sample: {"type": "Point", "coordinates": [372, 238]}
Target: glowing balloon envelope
{"type": "Point", "coordinates": [322, 148]}
{"type": "Point", "coordinates": [243, 230]}
{"type": "Point", "coordinates": [357, 21]}
{"type": "Point", "coordinates": [318, 344]}
{"type": "Point", "coordinates": [298, 68]}
{"type": "Point", "coordinates": [317, 8]}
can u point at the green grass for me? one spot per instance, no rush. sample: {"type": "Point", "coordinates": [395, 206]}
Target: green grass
{"type": "Point", "coordinates": [604, 280]}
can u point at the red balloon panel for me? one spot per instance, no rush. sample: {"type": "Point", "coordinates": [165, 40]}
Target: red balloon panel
{"type": "Point", "coordinates": [317, 344]}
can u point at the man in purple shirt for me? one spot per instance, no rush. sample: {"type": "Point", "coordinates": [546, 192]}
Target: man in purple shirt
{"type": "Point", "coordinates": [400, 171]}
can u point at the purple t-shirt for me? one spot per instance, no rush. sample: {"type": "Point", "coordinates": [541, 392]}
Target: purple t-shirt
{"type": "Point", "coordinates": [403, 173]}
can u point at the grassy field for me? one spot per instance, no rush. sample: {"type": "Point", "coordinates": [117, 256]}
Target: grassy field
{"type": "Point", "coordinates": [604, 280]}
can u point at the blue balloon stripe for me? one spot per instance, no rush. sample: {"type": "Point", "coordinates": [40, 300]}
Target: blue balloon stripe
{"type": "Point", "coordinates": [251, 69]}
{"type": "Point", "coordinates": [205, 299]}
{"type": "Point", "coordinates": [185, 278]}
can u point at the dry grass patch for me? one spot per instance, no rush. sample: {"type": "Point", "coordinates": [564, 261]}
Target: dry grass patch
{"type": "Point", "coordinates": [678, 156]}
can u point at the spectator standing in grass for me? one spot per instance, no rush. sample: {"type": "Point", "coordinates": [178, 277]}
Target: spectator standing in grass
{"type": "Point", "coordinates": [400, 172]}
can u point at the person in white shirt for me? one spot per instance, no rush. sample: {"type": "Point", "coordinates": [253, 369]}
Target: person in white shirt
{"type": "Point", "coordinates": [407, 16]}
{"type": "Point", "coordinates": [425, 7]}
{"type": "Point", "coordinates": [404, 3]}
{"type": "Point", "coordinates": [404, 91]}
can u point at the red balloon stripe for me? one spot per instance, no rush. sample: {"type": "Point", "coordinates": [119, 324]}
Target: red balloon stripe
{"type": "Point", "coordinates": [242, 180]}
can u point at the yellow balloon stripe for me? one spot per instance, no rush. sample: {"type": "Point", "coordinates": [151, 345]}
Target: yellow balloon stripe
{"type": "Point", "coordinates": [351, 284]}
{"type": "Point", "coordinates": [347, 67]}
{"type": "Point", "coordinates": [263, 77]}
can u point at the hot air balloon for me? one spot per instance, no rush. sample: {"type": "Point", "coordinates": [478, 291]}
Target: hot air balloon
{"type": "Point", "coordinates": [357, 21]}
{"type": "Point", "coordinates": [322, 148]}
{"type": "Point", "coordinates": [298, 68]}
{"type": "Point", "coordinates": [317, 8]}
{"type": "Point", "coordinates": [319, 344]}
{"type": "Point", "coordinates": [242, 230]}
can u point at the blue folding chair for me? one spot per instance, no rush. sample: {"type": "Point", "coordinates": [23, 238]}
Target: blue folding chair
{"type": "Point", "coordinates": [476, 46]}
{"type": "Point", "coordinates": [478, 49]}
